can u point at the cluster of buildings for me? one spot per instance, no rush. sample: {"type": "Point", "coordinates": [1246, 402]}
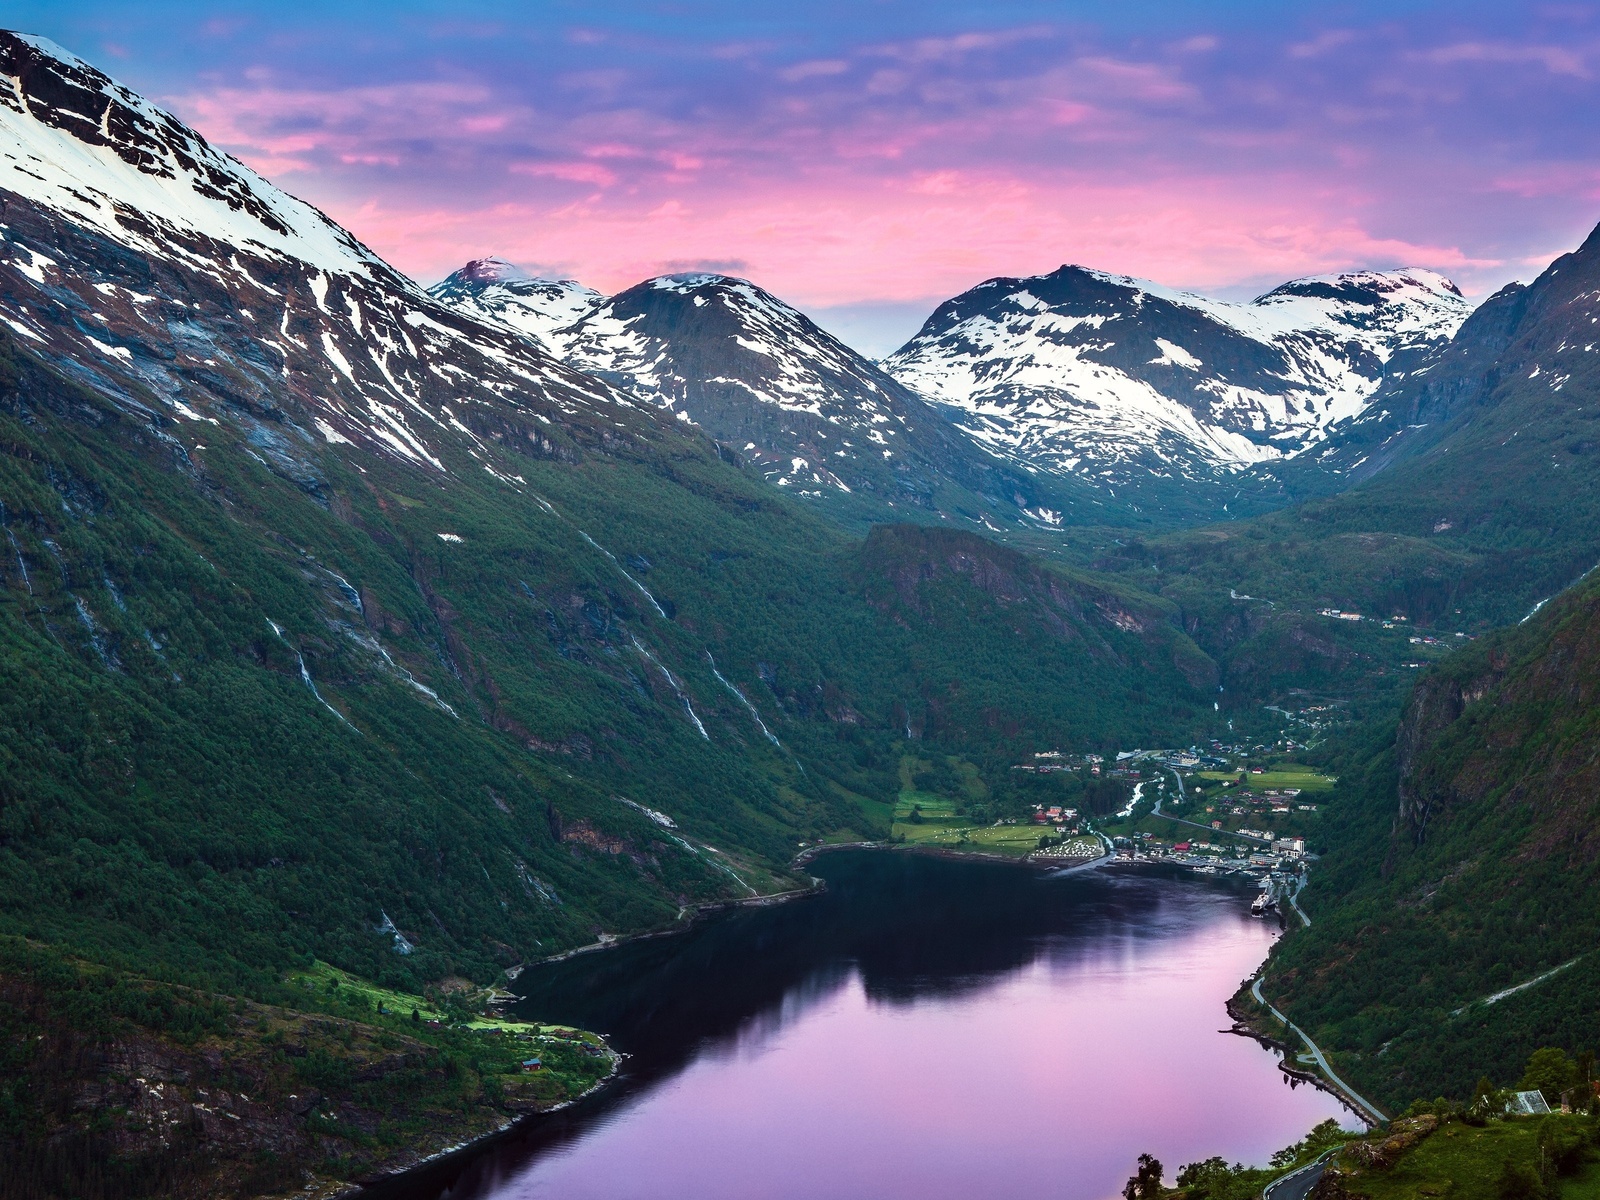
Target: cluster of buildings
{"type": "Point", "coordinates": [1064, 820]}
{"type": "Point", "coordinates": [1054, 760]}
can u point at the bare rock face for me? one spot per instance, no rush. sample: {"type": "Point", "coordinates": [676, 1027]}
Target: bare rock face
{"type": "Point", "coordinates": [1437, 703]}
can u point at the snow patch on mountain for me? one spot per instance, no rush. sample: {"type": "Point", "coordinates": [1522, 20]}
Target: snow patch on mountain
{"type": "Point", "coordinates": [496, 290]}
{"type": "Point", "coordinates": [178, 283]}
{"type": "Point", "coordinates": [754, 373]}
{"type": "Point", "coordinates": [108, 159]}
{"type": "Point", "coordinates": [1110, 376]}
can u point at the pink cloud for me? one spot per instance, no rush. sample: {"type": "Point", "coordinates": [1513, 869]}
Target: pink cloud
{"type": "Point", "coordinates": [813, 69]}
{"type": "Point", "coordinates": [1558, 60]}
{"type": "Point", "coordinates": [1331, 39]}
{"type": "Point", "coordinates": [944, 49]}
{"type": "Point", "coordinates": [933, 235]}
{"type": "Point", "coordinates": [1139, 80]}
{"type": "Point", "coordinates": [572, 172]}
{"type": "Point", "coordinates": [916, 168]}
{"type": "Point", "coordinates": [1554, 179]}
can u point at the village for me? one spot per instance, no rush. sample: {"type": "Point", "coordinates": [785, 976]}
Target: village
{"type": "Point", "coordinates": [1218, 809]}
{"type": "Point", "coordinates": [1248, 810]}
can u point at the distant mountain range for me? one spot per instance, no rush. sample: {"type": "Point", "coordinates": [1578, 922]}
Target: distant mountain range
{"type": "Point", "coordinates": [1158, 400]}
{"type": "Point", "coordinates": [776, 391]}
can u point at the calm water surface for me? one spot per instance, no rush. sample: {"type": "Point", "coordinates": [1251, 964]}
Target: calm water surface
{"type": "Point", "coordinates": [927, 1028]}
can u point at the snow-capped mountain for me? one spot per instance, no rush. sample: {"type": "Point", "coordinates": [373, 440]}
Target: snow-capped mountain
{"type": "Point", "coordinates": [1118, 379]}
{"type": "Point", "coordinates": [175, 280]}
{"type": "Point", "coordinates": [722, 354]}
{"type": "Point", "coordinates": [495, 290]}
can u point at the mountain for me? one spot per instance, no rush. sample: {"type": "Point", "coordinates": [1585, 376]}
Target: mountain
{"type": "Point", "coordinates": [1484, 492]}
{"type": "Point", "coordinates": [1164, 394]}
{"type": "Point", "coordinates": [806, 411]}
{"type": "Point", "coordinates": [1411, 412]}
{"type": "Point", "coordinates": [497, 291]}
{"type": "Point", "coordinates": [342, 628]}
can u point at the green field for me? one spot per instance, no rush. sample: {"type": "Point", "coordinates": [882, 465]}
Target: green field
{"type": "Point", "coordinates": [1018, 840]}
{"type": "Point", "coordinates": [322, 977]}
{"type": "Point", "coordinates": [934, 808]}
{"type": "Point", "coordinates": [1285, 775]}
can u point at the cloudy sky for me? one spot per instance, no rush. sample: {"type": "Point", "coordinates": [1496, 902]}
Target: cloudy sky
{"type": "Point", "coordinates": [866, 159]}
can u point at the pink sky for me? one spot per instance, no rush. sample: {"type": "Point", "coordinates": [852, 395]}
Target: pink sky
{"type": "Point", "coordinates": [893, 155]}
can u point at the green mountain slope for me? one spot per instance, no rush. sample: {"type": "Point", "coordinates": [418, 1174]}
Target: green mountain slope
{"type": "Point", "coordinates": [1464, 862]}
{"type": "Point", "coordinates": [239, 720]}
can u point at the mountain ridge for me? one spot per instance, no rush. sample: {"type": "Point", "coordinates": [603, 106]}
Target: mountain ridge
{"type": "Point", "coordinates": [803, 409]}
{"type": "Point", "coordinates": [1129, 383]}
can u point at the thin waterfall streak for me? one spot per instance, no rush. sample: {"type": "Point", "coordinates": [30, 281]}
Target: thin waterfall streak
{"type": "Point", "coordinates": [721, 866]}
{"type": "Point", "coordinates": [305, 674]}
{"type": "Point", "coordinates": [621, 570]}
{"type": "Point", "coordinates": [744, 700]}
{"type": "Point", "coordinates": [673, 682]}
{"type": "Point", "coordinates": [21, 566]}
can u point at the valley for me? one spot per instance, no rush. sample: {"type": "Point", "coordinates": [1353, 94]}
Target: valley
{"type": "Point", "coordinates": [370, 653]}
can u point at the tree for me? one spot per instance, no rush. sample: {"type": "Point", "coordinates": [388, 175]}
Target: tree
{"type": "Point", "coordinates": [1483, 1096]}
{"type": "Point", "coordinates": [1145, 1183]}
{"type": "Point", "coordinates": [1550, 1071]}
{"type": "Point", "coordinates": [1199, 1172]}
{"type": "Point", "coordinates": [1518, 1181]}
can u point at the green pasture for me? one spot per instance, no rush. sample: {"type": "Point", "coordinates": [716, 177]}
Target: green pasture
{"type": "Point", "coordinates": [934, 808]}
{"type": "Point", "coordinates": [996, 839]}
{"type": "Point", "coordinates": [1285, 775]}
{"type": "Point", "coordinates": [324, 978]}
{"type": "Point", "coordinates": [1466, 1163]}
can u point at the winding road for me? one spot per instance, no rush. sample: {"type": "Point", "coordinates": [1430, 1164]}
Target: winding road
{"type": "Point", "coordinates": [1297, 1184]}
{"type": "Point", "coordinates": [1365, 1109]}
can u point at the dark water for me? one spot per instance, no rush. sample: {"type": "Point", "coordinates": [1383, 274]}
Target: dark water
{"type": "Point", "coordinates": [927, 1028]}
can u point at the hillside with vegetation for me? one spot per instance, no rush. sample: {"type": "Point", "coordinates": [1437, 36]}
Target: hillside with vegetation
{"type": "Point", "coordinates": [1462, 867]}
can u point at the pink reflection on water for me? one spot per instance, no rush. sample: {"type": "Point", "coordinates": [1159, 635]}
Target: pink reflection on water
{"type": "Point", "coordinates": [1049, 1080]}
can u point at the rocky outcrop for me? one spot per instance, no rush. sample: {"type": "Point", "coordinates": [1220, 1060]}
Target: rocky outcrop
{"type": "Point", "coordinates": [1439, 700]}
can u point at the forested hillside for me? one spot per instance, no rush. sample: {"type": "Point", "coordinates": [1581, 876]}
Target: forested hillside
{"type": "Point", "coordinates": [1464, 861]}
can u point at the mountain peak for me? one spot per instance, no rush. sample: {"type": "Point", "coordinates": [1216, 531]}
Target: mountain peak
{"type": "Point", "coordinates": [490, 270]}
{"type": "Point", "coordinates": [496, 290]}
{"type": "Point", "coordinates": [1122, 380]}
{"type": "Point", "coordinates": [1370, 288]}
{"type": "Point", "coordinates": [690, 280]}
{"type": "Point", "coordinates": [75, 141]}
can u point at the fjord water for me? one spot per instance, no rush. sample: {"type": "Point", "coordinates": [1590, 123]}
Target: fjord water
{"type": "Point", "coordinates": [926, 1028]}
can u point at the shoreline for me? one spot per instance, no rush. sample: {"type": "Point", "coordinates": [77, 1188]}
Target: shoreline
{"type": "Point", "coordinates": [508, 1125]}
{"type": "Point", "coordinates": [692, 913]}
{"type": "Point", "coordinates": [1245, 1028]}
{"type": "Point", "coordinates": [687, 916]}
{"type": "Point", "coordinates": [951, 852]}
